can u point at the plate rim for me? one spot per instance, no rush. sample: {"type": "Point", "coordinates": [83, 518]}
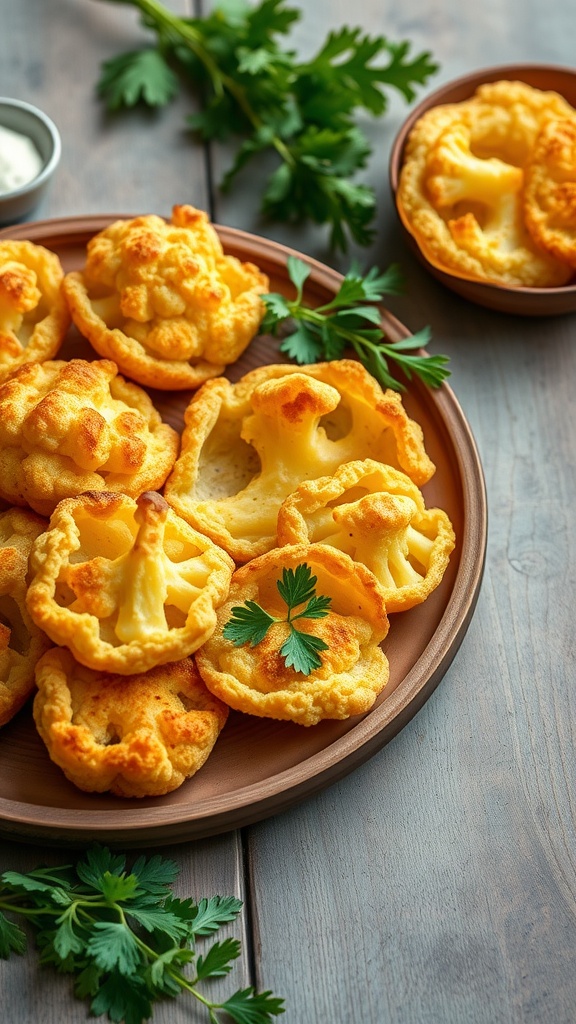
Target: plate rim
{"type": "Point", "coordinates": [249, 804]}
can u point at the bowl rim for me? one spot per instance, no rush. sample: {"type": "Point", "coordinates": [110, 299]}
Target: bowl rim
{"type": "Point", "coordinates": [53, 160]}
{"type": "Point", "coordinates": [487, 73]}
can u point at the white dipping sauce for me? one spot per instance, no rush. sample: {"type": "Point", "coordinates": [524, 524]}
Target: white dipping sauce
{"type": "Point", "coordinates": [20, 161]}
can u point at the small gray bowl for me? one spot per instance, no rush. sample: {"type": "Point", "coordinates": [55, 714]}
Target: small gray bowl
{"type": "Point", "coordinates": [28, 120]}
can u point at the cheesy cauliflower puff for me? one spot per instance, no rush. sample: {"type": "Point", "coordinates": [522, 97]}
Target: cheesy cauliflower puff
{"type": "Point", "coordinates": [164, 301]}
{"type": "Point", "coordinates": [34, 315]}
{"type": "Point", "coordinates": [125, 584]}
{"type": "Point", "coordinates": [255, 679]}
{"type": "Point", "coordinates": [137, 737]}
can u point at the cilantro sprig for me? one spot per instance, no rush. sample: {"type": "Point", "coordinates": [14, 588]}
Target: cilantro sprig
{"type": "Point", "coordinates": [126, 937]}
{"type": "Point", "coordinates": [253, 88]}
{"type": "Point", "coordinates": [250, 623]}
{"type": "Point", "coordinates": [346, 321]}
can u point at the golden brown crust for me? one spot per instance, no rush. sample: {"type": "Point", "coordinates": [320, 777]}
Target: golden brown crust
{"type": "Point", "coordinates": [34, 316]}
{"type": "Point", "coordinates": [136, 737]}
{"type": "Point", "coordinates": [354, 669]}
{"type": "Point", "coordinates": [125, 584]}
{"type": "Point", "coordinates": [78, 426]}
{"type": "Point", "coordinates": [164, 301]}
{"type": "Point", "coordinates": [550, 192]}
{"type": "Point", "coordinates": [21, 641]}
{"type": "Point", "coordinates": [377, 516]}
{"type": "Point", "coordinates": [246, 446]}
{"type": "Point", "coordinates": [460, 189]}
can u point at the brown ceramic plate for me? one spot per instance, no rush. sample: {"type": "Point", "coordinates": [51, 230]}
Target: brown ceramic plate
{"type": "Point", "coordinates": [519, 301]}
{"type": "Point", "coordinates": [260, 767]}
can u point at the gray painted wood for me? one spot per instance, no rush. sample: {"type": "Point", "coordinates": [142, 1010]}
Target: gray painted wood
{"type": "Point", "coordinates": [435, 885]}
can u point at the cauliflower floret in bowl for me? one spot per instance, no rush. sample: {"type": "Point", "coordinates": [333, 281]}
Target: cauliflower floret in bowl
{"type": "Point", "coordinates": [458, 173]}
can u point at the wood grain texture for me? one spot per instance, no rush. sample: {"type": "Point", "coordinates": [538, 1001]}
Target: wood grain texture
{"type": "Point", "coordinates": [437, 884]}
{"type": "Point", "coordinates": [138, 161]}
{"type": "Point", "coordinates": [50, 55]}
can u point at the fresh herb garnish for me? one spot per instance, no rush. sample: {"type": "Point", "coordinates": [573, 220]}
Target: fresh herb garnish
{"type": "Point", "coordinates": [250, 622]}
{"type": "Point", "coordinates": [127, 937]}
{"type": "Point", "coordinates": [250, 87]}
{"type": "Point", "coordinates": [347, 322]}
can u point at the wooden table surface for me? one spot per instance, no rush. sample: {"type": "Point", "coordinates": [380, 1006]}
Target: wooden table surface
{"type": "Point", "coordinates": [436, 884]}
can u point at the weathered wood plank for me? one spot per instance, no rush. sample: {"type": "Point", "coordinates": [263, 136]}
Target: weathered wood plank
{"type": "Point", "coordinates": [438, 882]}
{"type": "Point", "coordinates": [136, 161]}
{"type": "Point", "coordinates": [50, 55]}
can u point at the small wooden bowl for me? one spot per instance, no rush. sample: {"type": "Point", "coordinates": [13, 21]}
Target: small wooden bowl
{"type": "Point", "coordinates": [505, 299]}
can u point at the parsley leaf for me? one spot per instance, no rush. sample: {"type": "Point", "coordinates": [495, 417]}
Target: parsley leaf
{"type": "Point", "coordinates": [12, 938]}
{"type": "Point", "coordinates": [126, 937]}
{"type": "Point", "coordinates": [249, 623]}
{"type": "Point", "coordinates": [212, 913]}
{"type": "Point", "coordinates": [218, 960]}
{"type": "Point", "coordinates": [300, 651]}
{"type": "Point", "coordinates": [254, 88]}
{"type": "Point", "coordinates": [138, 75]}
{"type": "Point", "coordinates": [249, 1007]}
{"type": "Point", "coordinates": [346, 321]}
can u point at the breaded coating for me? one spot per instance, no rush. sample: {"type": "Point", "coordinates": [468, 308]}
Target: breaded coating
{"type": "Point", "coordinates": [354, 668]}
{"type": "Point", "coordinates": [246, 446]}
{"type": "Point", "coordinates": [377, 516]}
{"type": "Point", "coordinates": [550, 192]}
{"type": "Point", "coordinates": [125, 583]}
{"type": "Point", "coordinates": [461, 185]}
{"type": "Point", "coordinates": [164, 300]}
{"type": "Point", "coordinates": [68, 427]}
{"type": "Point", "coordinates": [21, 642]}
{"type": "Point", "coordinates": [34, 314]}
{"type": "Point", "coordinates": [508, 115]}
{"type": "Point", "coordinates": [136, 737]}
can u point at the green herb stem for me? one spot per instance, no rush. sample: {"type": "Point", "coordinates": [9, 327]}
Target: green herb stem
{"type": "Point", "coordinates": [96, 931]}
{"type": "Point", "coordinates": [221, 82]}
{"type": "Point", "coordinates": [255, 89]}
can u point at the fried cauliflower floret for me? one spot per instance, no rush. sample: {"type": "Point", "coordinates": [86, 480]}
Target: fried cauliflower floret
{"type": "Point", "coordinates": [508, 116]}
{"type": "Point", "coordinates": [461, 185]}
{"type": "Point", "coordinates": [378, 517]}
{"type": "Point", "coordinates": [136, 737]}
{"type": "Point", "coordinates": [125, 584]}
{"type": "Point", "coordinates": [354, 669]}
{"type": "Point", "coordinates": [164, 300]}
{"type": "Point", "coordinates": [21, 642]}
{"type": "Point", "coordinates": [246, 446]}
{"type": "Point", "coordinates": [78, 426]}
{"type": "Point", "coordinates": [34, 314]}
{"type": "Point", "coordinates": [550, 192]}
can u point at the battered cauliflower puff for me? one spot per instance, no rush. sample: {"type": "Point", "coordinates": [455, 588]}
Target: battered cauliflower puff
{"type": "Point", "coordinates": [354, 668]}
{"type": "Point", "coordinates": [137, 737]}
{"type": "Point", "coordinates": [34, 314]}
{"type": "Point", "coordinates": [21, 642]}
{"type": "Point", "coordinates": [377, 516]}
{"type": "Point", "coordinates": [164, 301]}
{"type": "Point", "coordinates": [508, 116]}
{"type": "Point", "coordinates": [78, 426]}
{"type": "Point", "coordinates": [461, 184]}
{"type": "Point", "coordinates": [550, 193]}
{"type": "Point", "coordinates": [125, 584]}
{"type": "Point", "coordinates": [246, 446]}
